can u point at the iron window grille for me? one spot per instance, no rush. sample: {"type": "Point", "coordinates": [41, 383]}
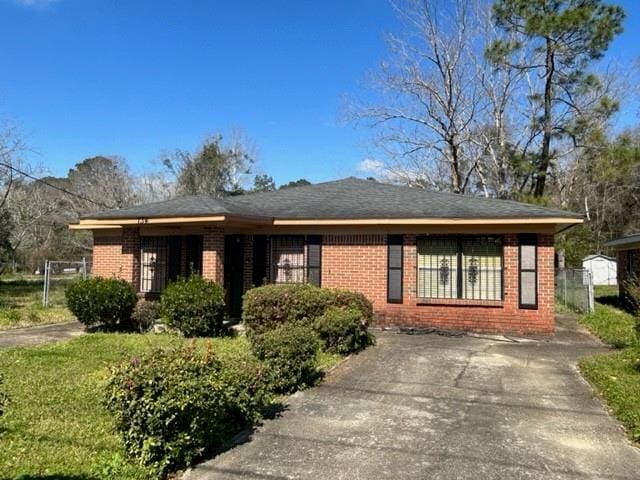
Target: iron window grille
{"type": "Point", "coordinates": [460, 268]}
{"type": "Point", "coordinates": [153, 264]}
{"type": "Point", "coordinates": [287, 259]}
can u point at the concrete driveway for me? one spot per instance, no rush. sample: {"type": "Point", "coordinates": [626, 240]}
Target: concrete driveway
{"type": "Point", "coordinates": [433, 407]}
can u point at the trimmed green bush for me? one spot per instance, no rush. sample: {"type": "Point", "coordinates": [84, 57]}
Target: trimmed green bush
{"type": "Point", "coordinates": [289, 352]}
{"type": "Point", "coordinates": [145, 315]}
{"type": "Point", "coordinates": [271, 305]}
{"type": "Point", "coordinates": [343, 330]}
{"type": "Point", "coordinates": [172, 406]}
{"type": "Point", "coordinates": [194, 306]}
{"type": "Point", "coordinates": [4, 399]}
{"type": "Point", "coordinates": [632, 290]}
{"type": "Point", "coordinates": [107, 301]}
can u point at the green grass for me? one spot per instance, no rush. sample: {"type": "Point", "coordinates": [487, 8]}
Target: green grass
{"type": "Point", "coordinates": [616, 376]}
{"type": "Point", "coordinates": [21, 303]}
{"type": "Point", "coordinates": [56, 425]}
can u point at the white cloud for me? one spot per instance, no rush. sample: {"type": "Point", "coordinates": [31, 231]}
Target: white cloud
{"type": "Point", "coordinates": [370, 165]}
{"type": "Point", "coordinates": [35, 3]}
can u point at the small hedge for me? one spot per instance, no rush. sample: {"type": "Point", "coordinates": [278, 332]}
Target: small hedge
{"type": "Point", "coordinates": [145, 314]}
{"type": "Point", "coordinates": [172, 406]}
{"type": "Point", "coordinates": [194, 306]}
{"type": "Point", "coordinates": [107, 301]}
{"type": "Point", "coordinates": [289, 352]}
{"type": "Point", "coordinates": [271, 305]}
{"type": "Point", "coordinates": [343, 330]}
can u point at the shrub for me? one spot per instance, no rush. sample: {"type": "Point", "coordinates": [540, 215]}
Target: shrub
{"type": "Point", "coordinates": [194, 306]}
{"type": "Point", "coordinates": [343, 330]}
{"type": "Point", "coordinates": [171, 406]}
{"type": "Point", "coordinates": [96, 300]}
{"type": "Point", "coordinates": [271, 305]}
{"type": "Point", "coordinates": [289, 352]}
{"type": "Point", "coordinates": [4, 399]}
{"type": "Point", "coordinates": [145, 315]}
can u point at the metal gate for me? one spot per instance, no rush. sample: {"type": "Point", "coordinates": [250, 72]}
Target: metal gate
{"type": "Point", "coordinates": [574, 289]}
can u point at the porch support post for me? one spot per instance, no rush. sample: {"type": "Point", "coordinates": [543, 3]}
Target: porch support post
{"type": "Point", "coordinates": [213, 254]}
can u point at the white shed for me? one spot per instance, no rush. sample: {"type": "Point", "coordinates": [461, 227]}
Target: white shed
{"type": "Point", "coordinates": [603, 269]}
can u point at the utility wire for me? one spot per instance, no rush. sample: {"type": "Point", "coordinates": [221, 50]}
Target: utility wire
{"type": "Point", "coordinates": [56, 187]}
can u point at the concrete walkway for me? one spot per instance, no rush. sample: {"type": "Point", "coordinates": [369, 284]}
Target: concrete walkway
{"type": "Point", "coordinates": [434, 407]}
{"type": "Point", "coordinates": [57, 332]}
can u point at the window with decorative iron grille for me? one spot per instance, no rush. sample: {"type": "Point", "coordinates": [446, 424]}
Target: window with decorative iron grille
{"type": "Point", "coordinates": [460, 267]}
{"type": "Point", "coordinates": [153, 264]}
{"type": "Point", "coordinates": [287, 259]}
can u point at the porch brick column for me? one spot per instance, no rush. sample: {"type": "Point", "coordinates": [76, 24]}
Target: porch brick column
{"type": "Point", "coordinates": [130, 259]}
{"type": "Point", "coordinates": [213, 254]}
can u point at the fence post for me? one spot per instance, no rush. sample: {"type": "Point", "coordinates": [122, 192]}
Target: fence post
{"type": "Point", "coordinates": [45, 284]}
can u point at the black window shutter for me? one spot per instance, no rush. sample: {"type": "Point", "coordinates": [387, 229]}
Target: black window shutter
{"type": "Point", "coordinates": [394, 268]}
{"type": "Point", "coordinates": [314, 259]}
{"type": "Point", "coordinates": [528, 271]}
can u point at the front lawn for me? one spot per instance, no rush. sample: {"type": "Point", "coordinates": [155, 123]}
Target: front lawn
{"type": "Point", "coordinates": [21, 303]}
{"type": "Point", "coordinates": [616, 376]}
{"type": "Point", "coordinates": [56, 425]}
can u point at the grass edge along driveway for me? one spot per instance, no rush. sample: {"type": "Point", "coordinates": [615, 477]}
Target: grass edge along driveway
{"type": "Point", "coordinates": [56, 425]}
{"type": "Point", "coordinates": [615, 375]}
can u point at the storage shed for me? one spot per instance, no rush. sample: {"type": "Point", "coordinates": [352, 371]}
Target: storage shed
{"type": "Point", "coordinates": [603, 269]}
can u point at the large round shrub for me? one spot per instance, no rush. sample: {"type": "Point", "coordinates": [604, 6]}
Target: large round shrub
{"type": "Point", "coordinates": [172, 406]}
{"type": "Point", "coordinates": [289, 352]}
{"type": "Point", "coordinates": [343, 330]}
{"type": "Point", "coordinates": [107, 301]}
{"type": "Point", "coordinates": [194, 306]}
{"type": "Point", "coordinates": [271, 305]}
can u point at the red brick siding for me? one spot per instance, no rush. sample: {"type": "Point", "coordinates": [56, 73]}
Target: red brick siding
{"type": "Point", "coordinates": [117, 255]}
{"type": "Point", "coordinates": [213, 254]}
{"type": "Point", "coordinates": [359, 262]}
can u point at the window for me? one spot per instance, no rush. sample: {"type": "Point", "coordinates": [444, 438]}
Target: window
{"type": "Point", "coordinates": [314, 259]}
{"type": "Point", "coordinates": [460, 267]}
{"type": "Point", "coordinates": [394, 268]}
{"type": "Point", "coordinates": [287, 259]}
{"type": "Point", "coordinates": [528, 271]}
{"type": "Point", "coordinates": [153, 271]}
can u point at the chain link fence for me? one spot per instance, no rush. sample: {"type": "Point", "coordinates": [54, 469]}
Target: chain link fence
{"type": "Point", "coordinates": [574, 289]}
{"type": "Point", "coordinates": [58, 274]}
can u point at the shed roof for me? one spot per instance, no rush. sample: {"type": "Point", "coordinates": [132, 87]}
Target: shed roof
{"type": "Point", "coordinates": [598, 255]}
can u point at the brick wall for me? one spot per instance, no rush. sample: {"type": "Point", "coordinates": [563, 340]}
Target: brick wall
{"type": "Point", "coordinates": [117, 254]}
{"type": "Point", "coordinates": [359, 262]}
{"type": "Point", "coordinates": [213, 254]}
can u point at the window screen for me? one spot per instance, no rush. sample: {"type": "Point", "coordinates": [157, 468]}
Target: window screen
{"type": "Point", "coordinates": [528, 271]}
{"type": "Point", "coordinates": [153, 271]}
{"type": "Point", "coordinates": [437, 267]}
{"type": "Point", "coordinates": [314, 259]}
{"type": "Point", "coordinates": [460, 267]}
{"type": "Point", "coordinates": [287, 259]}
{"type": "Point", "coordinates": [482, 268]}
{"type": "Point", "coordinates": [394, 268]}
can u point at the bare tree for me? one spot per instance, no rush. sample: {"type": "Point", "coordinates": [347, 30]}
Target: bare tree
{"type": "Point", "coordinates": [429, 96]}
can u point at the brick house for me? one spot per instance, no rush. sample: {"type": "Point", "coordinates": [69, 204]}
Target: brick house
{"type": "Point", "coordinates": [423, 258]}
{"type": "Point", "coordinates": [628, 259]}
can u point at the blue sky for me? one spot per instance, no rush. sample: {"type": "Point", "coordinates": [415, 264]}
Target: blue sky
{"type": "Point", "coordinates": [134, 78]}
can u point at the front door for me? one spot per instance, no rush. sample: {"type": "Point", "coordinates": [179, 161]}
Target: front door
{"type": "Point", "coordinates": [234, 273]}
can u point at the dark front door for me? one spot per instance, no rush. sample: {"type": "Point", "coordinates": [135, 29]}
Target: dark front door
{"type": "Point", "coordinates": [233, 273]}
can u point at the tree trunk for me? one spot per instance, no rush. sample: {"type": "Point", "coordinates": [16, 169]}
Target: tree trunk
{"type": "Point", "coordinates": [547, 126]}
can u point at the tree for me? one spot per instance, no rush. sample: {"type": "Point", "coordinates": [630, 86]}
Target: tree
{"type": "Point", "coordinates": [301, 182]}
{"type": "Point", "coordinates": [216, 169]}
{"type": "Point", "coordinates": [561, 38]}
{"type": "Point", "coordinates": [429, 96]}
{"type": "Point", "coordinates": [263, 183]}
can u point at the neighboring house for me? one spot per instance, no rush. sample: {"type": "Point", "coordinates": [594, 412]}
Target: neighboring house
{"type": "Point", "coordinates": [423, 258]}
{"type": "Point", "coordinates": [602, 269]}
{"type": "Point", "coordinates": [628, 257]}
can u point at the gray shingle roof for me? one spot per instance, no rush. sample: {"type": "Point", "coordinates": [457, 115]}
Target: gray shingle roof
{"type": "Point", "coordinates": [350, 198]}
{"type": "Point", "coordinates": [621, 242]}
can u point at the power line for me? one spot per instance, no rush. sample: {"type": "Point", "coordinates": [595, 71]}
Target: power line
{"type": "Point", "coordinates": [56, 187]}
